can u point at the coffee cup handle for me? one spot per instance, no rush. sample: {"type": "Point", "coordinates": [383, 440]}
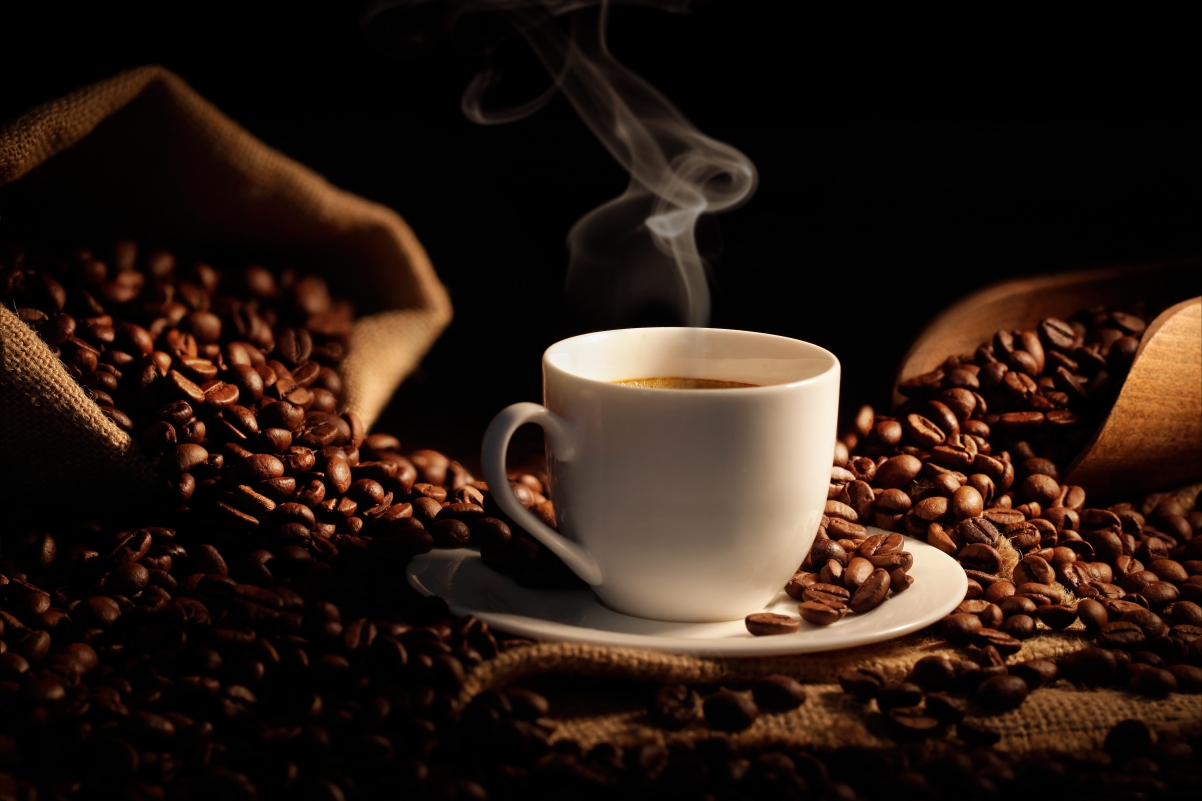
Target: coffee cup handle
{"type": "Point", "coordinates": [496, 443]}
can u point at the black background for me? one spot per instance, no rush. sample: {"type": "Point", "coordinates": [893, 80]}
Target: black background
{"type": "Point", "coordinates": [904, 160]}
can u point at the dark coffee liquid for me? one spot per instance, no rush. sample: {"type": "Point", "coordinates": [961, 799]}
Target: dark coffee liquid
{"type": "Point", "coordinates": [677, 382]}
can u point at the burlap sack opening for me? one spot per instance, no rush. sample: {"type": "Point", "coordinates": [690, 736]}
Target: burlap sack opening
{"type": "Point", "coordinates": [142, 155]}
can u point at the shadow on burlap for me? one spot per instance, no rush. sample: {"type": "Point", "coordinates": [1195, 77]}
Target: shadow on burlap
{"type": "Point", "coordinates": [143, 155]}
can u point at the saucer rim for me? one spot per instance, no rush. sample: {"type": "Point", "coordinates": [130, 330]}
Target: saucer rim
{"type": "Point", "coordinates": [801, 642]}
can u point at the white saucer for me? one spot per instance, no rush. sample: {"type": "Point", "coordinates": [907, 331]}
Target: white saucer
{"type": "Point", "coordinates": [461, 578]}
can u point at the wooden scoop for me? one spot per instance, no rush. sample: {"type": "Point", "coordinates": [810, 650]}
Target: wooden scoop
{"type": "Point", "coordinates": [1152, 438]}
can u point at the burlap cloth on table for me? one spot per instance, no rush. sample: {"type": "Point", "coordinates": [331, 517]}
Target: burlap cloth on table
{"type": "Point", "coordinates": [1058, 717]}
{"type": "Point", "coordinates": [143, 155]}
{"type": "Point", "coordinates": [590, 710]}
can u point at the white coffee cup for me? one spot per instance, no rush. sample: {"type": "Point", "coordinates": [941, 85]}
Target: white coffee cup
{"type": "Point", "coordinates": [679, 504]}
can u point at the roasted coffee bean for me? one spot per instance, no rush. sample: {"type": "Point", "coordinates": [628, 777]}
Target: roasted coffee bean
{"type": "Point", "coordinates": [898, 471]}
{"type": "Point", "coordinates": [898, 694]}
{"type": "Point", "coordinates": [821, 613]}
{"type": "Point", "coordinates": [1004, 643]}
{"type": "Point", "coordinates": [99, 611]}
{"type": "Point", "coordinates": [1034, 569]}
{"type": "Point", "coordinates": [1092, 667]}
{"type": "Point", "coordinates": [1035, 672]}
{"type": "Point", "coordinates": [1189, 678]}
{"type": "Point", "coordinates": [998, 592]}
{"type": "Point", "coordinates": [1187, 613]}
{"type": "Point", "coordinates": [831, 572]}
{"type": "Point", "coordinates": [912, 722]}
{"type": "Point", "coordinates": [1153, 682]}
{"type": "Point", "coordinates": [899, 580]}
{"type": "Point", "coordinates": [977, 734]}
{"type": "Point", "coordinates": [944, 708]}
{"type": "Point", "coordinates": [1151, 624]}
{"type": "Point", "coordinates": [1040, 593]}
{"type": "Point", "coordinates": [977, 530]}
{"type": "Point", "coordinates": [1001, 693]}
{"type": "Point", "coordinates": [1057, 617]}
{"type": "Point", "coordinates": [862, 683]}
{"type": "Point", "coordinates": [449, 533]}
{"type": "Point", "coordinates": [1092, 614]}
{"type": "Point", "coordinates": [893, 500]}
{"type": "Point", "coordinates": [931, 509]}
{"type": "Point", "coordinates": [871, 593]}
{"type": "Point", "coordinates": [826, 593]}
{"type": "Point", "coordinates": [933, 673]}
{"type": "Point", "coordinates": [991, 616]}
{"type": "Point", "coordinates": [798, 584]}
{"type": "Point", "coordinates": [1126, 636]}
{"type": "Point", "coordinates": [1128, 738]}
{"type": "Point", "coordinates": [764, 624]}
{"type": "Point", "coordinates": [944, 540]}
{"type": "Point", "coordinates": [127, 579]}
{"type": "Point", "coordinates": [426, 509]}
{"type": "Point", "coordinates": [1020, 627]}
{"type": "Point", "coordinates": [182, 459]}
{"type": "Point", "coordinates": [825, 550]}
{"type": "Point", "coordinates": [778, 693]}
{"type": "Point", "coordinates": [674, 706]}
{"type": "Point", "coordinates": [880, 545]}
{"type": "Point", "coordinates": [207, 559]}
{"type": "Point", "coordinates": [967, 503]}
{"type": "Point", "coordinates": [980, 557]}
{"type": "Point", "coordinates": [887, 432]}
{"type": "Point", "coordinates": [1169, 570]}
{"type": "Point", "coordinates": [727, 710]}
{"type": "Point", "coordinates": [959, 628]}
{"type": "Point", "coordinates": [858, 571]}
{"type": "Point", "coordinates": [922, 432]}
{"type": "Point", "coordinates": [1159, 593]}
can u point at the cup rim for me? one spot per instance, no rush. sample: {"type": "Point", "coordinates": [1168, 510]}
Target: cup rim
{"type": "Point", "coordinates": [833, 364]}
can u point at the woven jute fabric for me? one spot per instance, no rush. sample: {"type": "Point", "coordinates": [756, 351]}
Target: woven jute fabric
{"type": "Point", "coordinates": [892, 658]}
{"type": "Point", "coordinates": [1059, 717]}
{"type": "Point", "coordinates": [143, 155]}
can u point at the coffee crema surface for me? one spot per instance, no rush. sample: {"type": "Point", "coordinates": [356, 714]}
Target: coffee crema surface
{"type": "Point", "coordinates": [679, 382]}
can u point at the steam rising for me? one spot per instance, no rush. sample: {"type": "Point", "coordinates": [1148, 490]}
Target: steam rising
{"type": "Point", "coordinates": [637, 252]}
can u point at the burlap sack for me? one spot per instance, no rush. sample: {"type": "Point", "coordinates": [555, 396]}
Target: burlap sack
{"type": "Point", "coordinates": [142, 155]}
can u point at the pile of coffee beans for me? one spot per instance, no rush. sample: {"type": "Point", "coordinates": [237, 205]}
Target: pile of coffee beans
{"type": "Point", "coordinates": [133, 661]}
{"type": "Point", "coordinates": [252, 638]}
{"type": "Point", "coordinates": [676, 706]}
{"type": "Point", "coordinates": [1134, 763]}
{"type": "Point", "coordinates": [858, 580]}
{"type": "Point", "coordinates": [228, 379]}
{"type": "Point", "coordinates": [165, 349]}
{"type": "Point", "coordinates": [940, 693]}
{"type": "Point", "coordinates": [973, 462]}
